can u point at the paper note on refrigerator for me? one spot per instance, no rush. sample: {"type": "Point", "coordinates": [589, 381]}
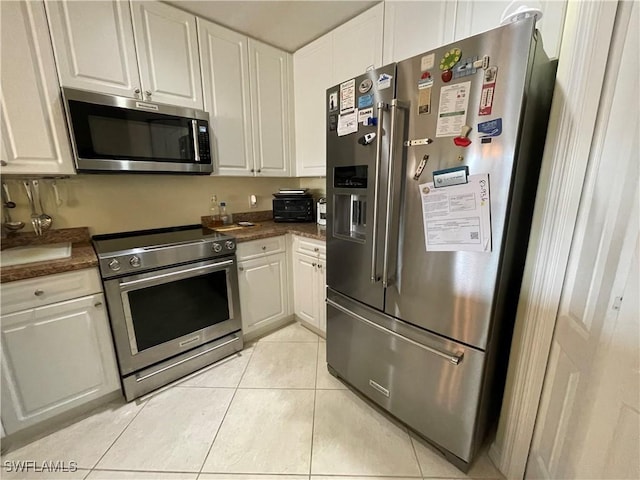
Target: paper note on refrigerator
{"type": "Point", "coordinates": [452, 109]}
{"type": "Point", "coordinates": [347, 123]}
{"type": "Point", "coordinates": [457, 218]}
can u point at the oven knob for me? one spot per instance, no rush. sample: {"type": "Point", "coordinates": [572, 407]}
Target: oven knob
{"type": "Point", "coordinates": [230, 245]}
{"type": "Point", "coordinates": [134, 261]}
{"type": "Point", "coordinates": [114, 265]}
{"type": "Point", "coordinates": [217, 247]}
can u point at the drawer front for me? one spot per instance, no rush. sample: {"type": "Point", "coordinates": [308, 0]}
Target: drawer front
{"type": "Point", "coordinates": [407, 372]}
{"type": "Point", "coordinates": [308, 246]}
{"type": "Point", "coordinates": [36, 292]}
{"type": "Point", "coordinates": [258, 248]}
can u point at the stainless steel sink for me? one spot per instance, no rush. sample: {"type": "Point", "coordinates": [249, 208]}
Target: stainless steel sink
{"type": "Point", "coordinates": [34, 253]}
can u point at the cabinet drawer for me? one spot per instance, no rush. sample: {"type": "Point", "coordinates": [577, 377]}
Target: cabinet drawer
{"type": "Point", "coordinates": [308, 246]}
{"type": "Point", "coordinates": [257, 248]}
{"type": "Point", "coordinates": [36, 292]}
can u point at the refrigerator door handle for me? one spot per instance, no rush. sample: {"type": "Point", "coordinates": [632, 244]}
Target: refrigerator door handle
{"type": "Point", "coordinates": [395, 104]}
{"type": "Point", "coordinates": [452, 358]}
{"type": "Point", "coordinates": [381, 107]}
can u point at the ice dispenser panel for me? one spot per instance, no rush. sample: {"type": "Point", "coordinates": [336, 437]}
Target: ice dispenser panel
{"type": "Point", "coordinates": [354, 176]}
{"type": "Point", "coordinates": [350, 216]}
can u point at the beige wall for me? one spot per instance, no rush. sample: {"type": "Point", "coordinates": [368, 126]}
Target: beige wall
{"type": "Point", "coordinates": [116, 203]}
{"type": "Point", "coordinates": [317, 186]}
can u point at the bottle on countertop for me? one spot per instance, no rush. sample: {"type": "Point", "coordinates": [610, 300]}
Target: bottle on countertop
{"type": "Point", "coordinates": [214, 207]}
{"type": "Point", "coordinates": [225, 217]}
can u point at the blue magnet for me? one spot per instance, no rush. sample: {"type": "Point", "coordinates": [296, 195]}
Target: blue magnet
{"type": "Point", "coordinates": [365, 101]}
{"type": "Point", "coordinates": [492, 128]}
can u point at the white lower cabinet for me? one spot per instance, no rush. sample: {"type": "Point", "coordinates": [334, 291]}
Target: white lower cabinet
{"type": "Point", "coordinates": [309, 282]}
{"type": "Point", "coordinates": [263, 284]}
{"type": "Point", "coordinates": [55, 357]}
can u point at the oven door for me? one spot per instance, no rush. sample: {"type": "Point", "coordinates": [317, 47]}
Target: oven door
{"type": "Point", "coordinates": [111, 133]}
{"type": "Point", "coordinates": [159, 314]}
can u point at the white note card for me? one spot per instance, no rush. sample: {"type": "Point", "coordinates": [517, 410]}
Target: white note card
{"type": "Point", "coordinates": [452, 109]}
{"type": "Point", "coordinates": [457, 218]}
{"type": "Point", "coordinates": [347, 123]}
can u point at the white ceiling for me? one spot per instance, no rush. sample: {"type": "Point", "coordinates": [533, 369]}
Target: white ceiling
{"type": "Point", "coordinates": [286, 24]}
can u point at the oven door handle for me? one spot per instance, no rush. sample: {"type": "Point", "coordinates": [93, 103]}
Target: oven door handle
{"type": "Point", "coordinates": [125, 286]}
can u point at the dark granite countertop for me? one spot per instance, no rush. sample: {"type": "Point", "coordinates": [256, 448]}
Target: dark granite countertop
{"type": "Point", "coordinates": [82, 253]}
{"type": "Point", "coordinates": [265, 227]}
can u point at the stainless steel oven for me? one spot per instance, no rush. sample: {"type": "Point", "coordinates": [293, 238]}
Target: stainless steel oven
{"type": "Point", "coordinates": [173, 303]}
{"type": "Point", "coordinates": [120, 134]}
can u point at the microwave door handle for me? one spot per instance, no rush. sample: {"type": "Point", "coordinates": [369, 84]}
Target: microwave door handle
{"type": "Point", "coordinates": [196, 145]}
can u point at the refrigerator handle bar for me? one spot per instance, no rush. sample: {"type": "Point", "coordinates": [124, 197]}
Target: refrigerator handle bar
{"type": "Point", "coordinates": [454, 359]}
{"type": "Point", "coordinates": [381, 107]}
{"type": "Point", "coordinates": [387, 228]}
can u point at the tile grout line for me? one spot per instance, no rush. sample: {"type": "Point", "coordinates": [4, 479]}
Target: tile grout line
{"type": "Point", "coordinates": [119, 435]}
{"type": "Point", "coordinates": [415, 453]}
{"type": "Point", "coordinates": [313, 416]}
{"type": "Point", "coordinates": [204, 461]}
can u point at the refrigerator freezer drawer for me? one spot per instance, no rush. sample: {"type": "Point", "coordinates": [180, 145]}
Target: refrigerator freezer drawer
{"type": "Point", "coordinates": [430, 383]}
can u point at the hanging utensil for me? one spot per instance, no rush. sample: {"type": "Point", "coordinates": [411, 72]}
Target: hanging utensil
{"type": "Point", "coordinates": [35, 218]}
{"type": "Point", "coordinates": [7, 204]}
{"type": "Point", "coordinates": [56, 193]}
{"type": "Point", "coordinates": [45, 220]}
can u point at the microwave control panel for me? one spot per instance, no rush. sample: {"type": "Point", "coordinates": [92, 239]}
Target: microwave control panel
{"type": "Point", "coordinates": [203, 142]}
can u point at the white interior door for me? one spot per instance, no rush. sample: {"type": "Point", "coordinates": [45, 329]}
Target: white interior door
{"type": "Point", "coordinates": [588, 423]}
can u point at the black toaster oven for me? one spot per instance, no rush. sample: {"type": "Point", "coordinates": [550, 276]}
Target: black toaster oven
{"type": "Point", "coordinates": [299, 208]}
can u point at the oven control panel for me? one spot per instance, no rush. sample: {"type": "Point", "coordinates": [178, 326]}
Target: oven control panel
{"type": "Point", "coordinates": [147, 257]}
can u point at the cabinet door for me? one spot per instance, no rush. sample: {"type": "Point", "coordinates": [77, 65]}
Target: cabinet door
{"type": "Point", "coordinates": [94, 55]}
{"type": "Point", "coordinates": [478, 16]}
{"type": "Point", "coordinates": [34, 135]}
{"type": "Point", "coordinates": [167, 48]}
{"type": "Point", "coordinates": [55, 358]}
{"type": "Point", "coordinates": [263, 291]}
{"type": "Point", "coordinates": [227, 98]}
{"type": "Point", "coordinates": [357, 44]}
{"type": "Point", "coordinates": [405, 32]}
{"type": "Point", "coordinates": [304, 288]}
{"type": "Point", "coordinates": [321, 295]}
{"type": "Point", "coordinates": [270, 70]}
{"type": "Point", "coordinates": [312, 66]}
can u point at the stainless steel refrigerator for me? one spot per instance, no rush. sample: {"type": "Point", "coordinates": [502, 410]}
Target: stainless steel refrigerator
{"type": "Point", "coordinates": [432, 168]}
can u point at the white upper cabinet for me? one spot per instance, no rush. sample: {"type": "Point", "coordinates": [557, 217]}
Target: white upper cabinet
{"type": "Point", "coordinates": [312, 73]}
{"type": "Point", "coordinates": [271, 105]}
{"type": "Point", "coordinates": [145, 49]}
{"type": "Point", "coordinates": [167, 47]}
{"type": "Point", "coordinates": [474, 17]}
{"type": "Point", "coordinates": [411, 28]}
{"type": "Point", "coordinates": [34, 135]}
{"type": "Point", "coordinates": [94, 46]}
{"type": "Point", "coordinates": [345, 52]}
{"type": "Point", "coordinates": [357, 44]}
{"type": "Point", "coordinates": [225, 78]}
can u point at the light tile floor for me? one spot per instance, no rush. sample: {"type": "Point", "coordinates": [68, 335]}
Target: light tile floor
{"type": "Point", "coordinates": [270, 412]}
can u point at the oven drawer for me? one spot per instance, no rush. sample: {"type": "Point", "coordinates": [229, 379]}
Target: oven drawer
{"type": "Point", "coordinates": [39, 291]}
{"type": "Point", "coordinates": [258, 248]}
{"type": "Point", "coordinates": [431, 384]}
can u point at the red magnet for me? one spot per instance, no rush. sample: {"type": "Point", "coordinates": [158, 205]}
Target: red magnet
{"type": "Point", "coordinates": [463, 140]}
{"type": "Point", "coordinates": [447, 75]}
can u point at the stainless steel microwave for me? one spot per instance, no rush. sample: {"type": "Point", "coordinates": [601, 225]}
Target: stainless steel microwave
{"type": "Point", "coordinates": [120, 134]}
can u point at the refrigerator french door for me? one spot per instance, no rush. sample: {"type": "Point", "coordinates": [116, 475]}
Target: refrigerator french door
{"type": "Point", "coordinates": [424, 331]}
